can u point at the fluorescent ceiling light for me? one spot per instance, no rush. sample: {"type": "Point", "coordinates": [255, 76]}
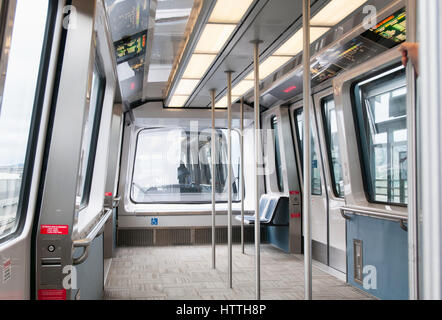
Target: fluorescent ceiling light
{"type": "Point", "coordinates": [222, 103]}
{"type": "Point", "coordinates": [229, 11]}
{"type": "Point", "coordinates": [178, 101]}
{"type": "Point", "coordinates": [270, 65]}
{"type": "Point", "coordinates": [214, 37]}
{"type": "Point", "coordinates": [335, 12]}
{"type": "Point", "coordinates": [198, 65]}
{"type": "Point", "coordinates": [295, 44]}
{"type": "Point", "coordinates": [186, 86]}
{"type": "Point", "coordinates": [242, 87]}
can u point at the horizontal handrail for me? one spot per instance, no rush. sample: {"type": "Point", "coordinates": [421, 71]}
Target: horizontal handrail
{"type": "Point", "coordinates": [374, 213]}
{"type": "Point", "coordinates": [87, 241]}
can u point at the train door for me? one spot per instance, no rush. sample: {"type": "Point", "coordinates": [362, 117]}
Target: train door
{"type": "Point", "coordinates": [68, 241]}
{"type": "Point", "coordinates": [328, 134]}
{"type": "Point", "coordinates": [282, 176]}
{"type": "Point", "coordinates": [112, 198]}
{"type": "Point", "coordinates": [319, 195]}
{"type": "Point", "coordinates": [26, 71]}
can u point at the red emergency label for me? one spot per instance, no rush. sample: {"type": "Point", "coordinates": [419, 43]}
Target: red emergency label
{"type": "Point", "coordinates": [53, 229]}
{"type": "Point", "coordinates": [294, 193]}
{"type": "Point", "coordinates": [108, 194]}
{"type": "Point", "coordinates": [52, 294]}
{"type": "Point", "coordinates": [295, 215]}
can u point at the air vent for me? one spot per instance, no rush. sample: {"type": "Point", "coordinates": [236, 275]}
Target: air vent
{"type": "Point", "coordinates": [189, 236]}
{"type": "Point", "coordinates": [357, 257]}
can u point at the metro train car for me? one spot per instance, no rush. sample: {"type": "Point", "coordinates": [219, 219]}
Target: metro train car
{"type": "Point", "coordinates": [220, 150]}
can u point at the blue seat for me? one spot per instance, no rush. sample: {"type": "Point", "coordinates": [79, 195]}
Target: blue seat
{"type": "Point", "coordinates": [270, 206]}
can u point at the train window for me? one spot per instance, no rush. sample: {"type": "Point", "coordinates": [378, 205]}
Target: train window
{"type": "Point", "coordinates": [380, 104]}
{"type": "Point", "coordinates": [278, 164]}
{"type": "Point", "coordinates": [331, 136]}
{"type": "Point", "coordinates": [91, 128]}
{"type": "Point", "coordinates": [173, 165]}
{"type": "Point", "coordinates": [316, 173]}
{"type": "Point", "coordinates": [17, 108]}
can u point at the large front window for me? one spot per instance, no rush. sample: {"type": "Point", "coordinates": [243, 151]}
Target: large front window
{"type": "Point", "coordinates": [173, 165]}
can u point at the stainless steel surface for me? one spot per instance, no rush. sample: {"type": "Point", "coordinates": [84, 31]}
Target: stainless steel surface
{"type": "Point", "coordinates": [307, 155]}
{"type": "Point", "coordinates": [430, 70]}
{"type": "Point", "coordinates": [413, 245]}
{"type": "Point", "coordinates": [58, 201]}
{"type": "Point", "coordinates": [213, 156]}
{"type": "Point", "coordinates": [229, 175]}
{"type": "Point", "coordinates": [242, 187]}
{"type": "Point", "coordinates": [257, 157]}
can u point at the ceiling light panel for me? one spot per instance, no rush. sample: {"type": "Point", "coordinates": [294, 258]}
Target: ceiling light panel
{"type": "Point", "coordinates": [198, 65]}
{"type": "Point", "coordinates": [270, 65]}
{"type": "Point", "coordinates": [295, 44]}
{"type": "Point", "coordinates": [335, 12]}
{"type": "Point", "coordinates": [214, 37]}
{"type": "Point", "coordinates": [222, 103]}
{"type": "Point", "coordinates": [229, 11]}
{"type": "Point", "coordinates": [186, 86]}
{"type": "Point", "coordinates": [242, 87]}
{"type": "Point", "coordinates": [178, 101]}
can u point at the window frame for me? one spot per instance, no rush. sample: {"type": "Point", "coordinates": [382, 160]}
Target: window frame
{"type": "Point", "coordinates": [35, 120]}
{"type": "Point", "coordinates": [87, 188]}
{"type": "Point", "coordinates": [174, 203]}
{"type": "Point", "coordinates": [367, 182]}
{"type": "Point", "coordinates": [275, 135]}
{"type": "Point", "coordinates": [328, 146]}
{"type": "Point", "coordinates": [296, 112]}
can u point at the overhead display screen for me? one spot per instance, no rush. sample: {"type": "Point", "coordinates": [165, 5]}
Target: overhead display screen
{"type": "Point", "coordinates": [391, 31]}
{"type": "Point", "coordinates": [131, 47]}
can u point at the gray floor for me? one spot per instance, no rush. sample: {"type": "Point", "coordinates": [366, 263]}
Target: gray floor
{"type": "Point", "coordinates": [184, 273]}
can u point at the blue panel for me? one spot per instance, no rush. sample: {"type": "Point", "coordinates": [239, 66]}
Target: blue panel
{"type": "Point", "coordinates": [385, 246]}
{"type": "Point", "coordinates": [279, 237]}
{"type": "Point", "coordinates": [90, 274]}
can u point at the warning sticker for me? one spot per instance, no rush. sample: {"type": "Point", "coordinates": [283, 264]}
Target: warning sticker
{"type": "Point", "coordinates": [52, 229]}
{"type": "Point", "coordinates": [7, 270]}
{"type": "Point", "coordinates": [52, 294]}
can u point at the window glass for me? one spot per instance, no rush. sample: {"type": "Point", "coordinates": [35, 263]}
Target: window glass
{"type": "Point", "coordinates": [331, 136]}
{"type": "Point", "coordinates": [91, 128]}
{"type": "Point", "coordinates": [173, 165]}
{"type": "Point", "coordinates": [382, 122]}
{"type": "Point", "coordinates": [278, 164]}
{"type": "Point", "coordinates": [316, 173]}
{"type": "Point", "coordinates": [17, 105]}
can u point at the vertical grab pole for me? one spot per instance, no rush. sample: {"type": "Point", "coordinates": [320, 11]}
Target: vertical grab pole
{"type": "Point", "coordinates": [213, 156]}
{"type": "Point", "coordinates": [242, 176]}
{"type": "Point", "coordinates": [413, 273]}
{"type": "Point", "coordinates": [229, 175]}
{"type": "Point", "coordinates": [257, 153]}
{"type": "Point", "coordinates": [430, 117]}
{"type": "Point", "coordinates": [307, 157]}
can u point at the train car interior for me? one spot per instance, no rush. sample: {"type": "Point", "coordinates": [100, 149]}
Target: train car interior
{"type": "Point", "coordinates": [179, 150]}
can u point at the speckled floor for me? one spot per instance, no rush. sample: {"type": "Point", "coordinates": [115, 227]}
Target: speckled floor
{"type": "Point", "coordinates": [184, 273]}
